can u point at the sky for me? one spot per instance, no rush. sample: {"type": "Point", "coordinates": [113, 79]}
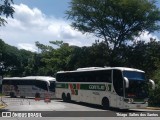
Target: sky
{"type": "Point", "coordinates": [44, 21]}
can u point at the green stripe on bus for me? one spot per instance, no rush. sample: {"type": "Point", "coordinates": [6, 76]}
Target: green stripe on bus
{"type": "Point", "coordinates": [98, 87]}
{"type": "Point", "coordinates": [76, 92]}
{"type": "Point", "coordinates": [61, 85]}
{"type": "Point", "coordinates": [109, 87]}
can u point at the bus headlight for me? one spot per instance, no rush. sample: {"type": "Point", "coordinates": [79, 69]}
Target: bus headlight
{"type": "Point", "coordinates": [146, 100]}
{"type": "Point", "coordinates": [131, 100]}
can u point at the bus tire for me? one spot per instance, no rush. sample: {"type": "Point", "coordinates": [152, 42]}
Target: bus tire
{"type": "Point", "coordinates": [22, 96]}
{"type": "Point", "coordinates": [68, 97]}
{"type": "Point", "coordinates": [12, 95]}
{"type": "Point", "coordinates": [105, 103]}
{"type": "Point", "coordinates": [64, 98]}
{"type": "Point", "coordinates": [37, 95]}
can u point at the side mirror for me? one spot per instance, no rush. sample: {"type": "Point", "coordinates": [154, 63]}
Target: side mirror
{"type": "Point", "coordinates": [126, 82]}
{"type": "Point", "coordinates": [153, 84]}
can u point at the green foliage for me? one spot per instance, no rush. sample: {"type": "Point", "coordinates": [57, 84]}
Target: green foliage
{"type": "Point", "coordinates": [54, 59]}
{"type": "Point", "coordinates": [96, 55]}
{"type": "Point", "coordinates": [155, 94]}
{"type": "Point", "coordinates": [115, 21]}
{"type": "Point", "coordinates": [143, 56]}
{"type": "Point", "coordinates": [14, 60]}
{"type": "Point", "coordinates": [57, 42]}
{"type": "Point", "coordinates": [6, 9]}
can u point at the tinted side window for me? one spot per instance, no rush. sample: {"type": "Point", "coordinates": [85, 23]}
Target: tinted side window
{"type": "Point", "coordinates": [52, 86]}
{"type": "Point", "coordinates": [118, 82]}
{"type": "Point", "coordinates": [62, 77]}
{"type": "Point", "coordinates": [41, 84]}
{"type": "Point", "coordinates": [11, 82]}
{"type": "Point", "coordinates": [6, 82]}
{"type": "Point", "coordinates": [103, 76]}
{"type": "Point", "coordinates": [89, 76]}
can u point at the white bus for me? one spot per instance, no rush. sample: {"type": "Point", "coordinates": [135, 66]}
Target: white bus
{"type": "Point", "coordinates": [118, 87]}
{"type": "Point", "coordinates": [30, 86]}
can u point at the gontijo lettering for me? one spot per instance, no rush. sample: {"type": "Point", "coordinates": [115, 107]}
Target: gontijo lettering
{"type": "Point", "coordinates": [96, 87]}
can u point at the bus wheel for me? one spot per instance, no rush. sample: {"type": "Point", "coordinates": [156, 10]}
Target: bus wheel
{"type": "Point", "coordinates": [22, 96]}
{"type": "Point", "coordinates": [105, 103]}
{"type": "Point", "coordinates": [37, 95]}
{"type": "Point", "coordinates": [12, 94]}
{"type": "Point", "coordinates": [68, 97]}
{"type": "Point", "coordinates": [64, 97]}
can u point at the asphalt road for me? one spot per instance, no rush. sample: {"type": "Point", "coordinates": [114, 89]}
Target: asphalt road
{"type": "Point", "coordinates": [60, 110]}
{"type": "Point", "coordinates": [29, 104]}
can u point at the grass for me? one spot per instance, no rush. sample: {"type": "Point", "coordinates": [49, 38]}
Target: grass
{"type": "Point", "coordinates": [1, 94]}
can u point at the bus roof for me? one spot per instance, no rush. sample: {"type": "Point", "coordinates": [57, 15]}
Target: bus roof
{"type": "Point", "coordinates": [102, 68]}
{"type": "Point", "coordinates": [42, 78]}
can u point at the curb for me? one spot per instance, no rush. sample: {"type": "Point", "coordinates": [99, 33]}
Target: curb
{"type": "Point", "coordinates": [153, 108]}
{"type": "Point", "coordinates": [2, 105]}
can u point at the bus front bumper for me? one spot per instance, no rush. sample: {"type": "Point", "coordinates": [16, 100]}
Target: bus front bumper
{"type": "Point", "coordinates": [135, 105]}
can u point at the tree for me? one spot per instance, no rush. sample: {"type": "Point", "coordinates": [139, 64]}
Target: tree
{"type": "Point", "coordinates": [6, 9]}
{"type": "Point", "coordinates": [154, 95]}
{"type": "Point", "coordinates": [53, 60]}
{"type": "Point", "coordinates": [115, 21]}
{"type": "Point", "coordinates": [143, 56]}
{"type": "Point", "coordinates": [15, 61]}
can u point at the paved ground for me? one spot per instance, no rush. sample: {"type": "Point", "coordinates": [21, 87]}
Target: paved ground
{"type": "Point", "coordinates": [62, 109]}
{"type": "Point", "coordinates": [29, 104]}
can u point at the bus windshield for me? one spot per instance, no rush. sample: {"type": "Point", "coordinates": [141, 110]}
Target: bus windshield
{"type": "Point", "coordinates": [138, 87]}
{"type": "Point", "coordinates": [134, 75]}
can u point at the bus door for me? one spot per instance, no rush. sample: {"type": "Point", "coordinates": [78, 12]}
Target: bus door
{"type": "Point", "coordinates": [52, 88]}
{"type": "Point", "coordinates": [118, 88]}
